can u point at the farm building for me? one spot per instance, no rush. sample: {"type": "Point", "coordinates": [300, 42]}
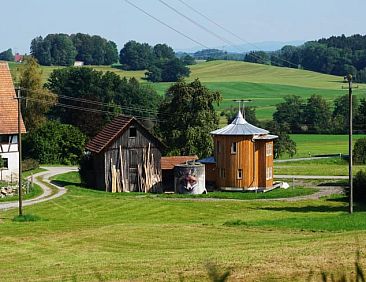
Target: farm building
{"type": "Point", "coordinates": [167, 166]}
{"type": "Point", "coordinates": [125, 157]}
{"type": "Point", "coordinates": [8, 125]}
{"type": "Point", "coordinates": [243, 156]}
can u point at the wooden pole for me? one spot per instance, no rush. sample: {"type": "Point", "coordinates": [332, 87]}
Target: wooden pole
{"type": "Point", "coordinates": [20, 152]}
{"type": "Point", "coordinates": [350, 163]}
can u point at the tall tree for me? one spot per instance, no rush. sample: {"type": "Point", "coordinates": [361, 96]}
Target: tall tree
{"type": "Point", "coordinates": [136, 56]}
{"type": "Point", "coordinates": [38, 100]}
{"type": "Point", "coordinates": [317, 114]}
{"type": "Point", "coordinates": [291, 112]}
{"type": "Point", "coordinates": [283, 144]}
{"type": "Point", "coordinates": [341, 112]}
{"type": "Point", "coordinates": [187, 116]}
{"type": "Point", "coordinates": [108, 91]}
{"type": "Point", "coordinates": [360, 120]}
{"type": "Point", "coordinates": [7, 55]}
{"type": "Point", "coordinates": [54, 49]}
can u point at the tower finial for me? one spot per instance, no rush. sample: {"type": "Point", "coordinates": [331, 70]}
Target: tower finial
{"type": "Point", "coordinates": [242, 101]}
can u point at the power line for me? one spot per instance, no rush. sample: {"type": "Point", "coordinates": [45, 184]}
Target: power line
{"type": "Point", "coordinates": [165, 24]}
{"type": "Point", "coordinates": [82, 100]}
{"type": "Point", "coordinates": [229, 31]}
{"type": "Point", "coordinates": [206, 29]}
{"type": "Point", "coordinates": [57, 104]}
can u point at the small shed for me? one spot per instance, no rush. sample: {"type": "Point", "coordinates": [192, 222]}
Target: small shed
{"type": "Point", "coordinates": [243, 155]}
{"type": "Point", "coordinates": [167, 167]}
{"type": "Point", "coordinates": [125, 157]}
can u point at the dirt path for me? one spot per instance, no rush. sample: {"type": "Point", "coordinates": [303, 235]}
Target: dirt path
{"type": "Point", "coordinates": [47, 192]}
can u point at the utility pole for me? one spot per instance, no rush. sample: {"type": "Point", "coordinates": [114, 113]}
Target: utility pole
{"type": "Point", "coordinates": [350, 162]}
{"type": "Point", "coordinates": [20, 152]}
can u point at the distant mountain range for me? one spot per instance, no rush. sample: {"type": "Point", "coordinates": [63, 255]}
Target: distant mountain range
{"type": "Point", "coordinates": [247, 47]}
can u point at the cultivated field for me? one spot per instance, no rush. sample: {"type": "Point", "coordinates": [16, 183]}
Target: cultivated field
{"type": "Point", "coordinates": [95, 236]}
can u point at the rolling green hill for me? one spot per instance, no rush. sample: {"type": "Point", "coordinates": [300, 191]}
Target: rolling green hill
{"type": "Point", "coordinates": [265, 85]}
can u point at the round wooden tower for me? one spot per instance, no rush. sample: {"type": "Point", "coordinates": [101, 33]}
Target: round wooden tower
{"type": "Point", "coordinates": [244, 155]}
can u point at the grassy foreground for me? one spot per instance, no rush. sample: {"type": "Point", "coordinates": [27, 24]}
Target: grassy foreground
{"type": "Point", "coordinates": [91, 235]}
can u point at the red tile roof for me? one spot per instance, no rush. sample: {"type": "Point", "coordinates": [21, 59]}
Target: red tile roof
{"type": "Point", "coordinates": [8, 105]}
{"type": "Point", "coordinates": [114, 130]}
{"type": "Point", "coordinates": [170, 162]}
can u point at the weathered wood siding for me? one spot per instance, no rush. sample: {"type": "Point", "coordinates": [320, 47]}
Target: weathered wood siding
{"type": "Point", "coordinates": [132, 149]}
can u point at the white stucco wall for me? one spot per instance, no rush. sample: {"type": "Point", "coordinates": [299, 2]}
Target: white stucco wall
{"type": "Point", "coordinates": [11, 153]}
{"type": "Point", "coordinates": [11, 173]}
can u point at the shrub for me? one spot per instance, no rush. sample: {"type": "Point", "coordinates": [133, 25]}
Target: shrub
{"type": "Point", "coordinates": [359, 151]}
{"type": "Point", "coordinates": [86, 171]}
{"type": "Point", "coordinates": [359, 187]}
{"type": "Point", "coordinates": [29, 164]}
{"type": "Point", "coordinates": [55, 143]}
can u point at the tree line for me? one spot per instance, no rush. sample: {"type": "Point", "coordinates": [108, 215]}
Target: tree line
{"type": "Point", "coordinates": [63, 49]}
{"type": "Point", "coordinates": [317, 115]}
{"type": "Point", "coordinates": [336, 55]}
{"type": "Point", "coordinates": [160, 61]}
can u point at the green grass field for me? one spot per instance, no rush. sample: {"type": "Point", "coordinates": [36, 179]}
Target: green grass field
{"type": "Point", "coordinates": [320, 144]}
{"type": "Point", "coordinates": [95, 236]}
{"type": "Point", "coordinates": [326, 167]}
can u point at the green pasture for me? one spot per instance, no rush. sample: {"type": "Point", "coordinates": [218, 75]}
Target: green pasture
{"type": "Point", "coordinates": [320, 144]}
{"type": "Point", "coordinates": [326, 167]}
{"type": "Point", "coordinates": [91, 235]}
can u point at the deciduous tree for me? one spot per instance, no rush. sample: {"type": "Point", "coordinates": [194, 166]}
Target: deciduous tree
{"type": "Point", "coordinates": [187, 116]}
{"type": "Point", "coordinates": [7, 55]}
{"type": "Point", "coordinates": [38, 100]}
{"type": "Point", "coordinates": [291, 112]}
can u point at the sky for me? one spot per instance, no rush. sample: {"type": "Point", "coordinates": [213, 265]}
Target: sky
{"type": "Point", "coordinates": [116, 20]}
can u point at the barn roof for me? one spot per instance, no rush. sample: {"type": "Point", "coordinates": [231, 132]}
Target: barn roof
{"type": "Point", "coordinates": [171, 162]}
{"type": "Point", "coordinates": [8, 105]}
{"type": "Point", "coordinates": [239, 126]}
{"type": "Point", "coordinates": [114, 130]}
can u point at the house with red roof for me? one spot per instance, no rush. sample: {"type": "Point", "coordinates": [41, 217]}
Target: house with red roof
{"type": "Point", "coordinates": [8, 125]}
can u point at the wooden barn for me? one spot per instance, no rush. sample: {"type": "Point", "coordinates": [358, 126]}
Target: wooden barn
{"type": "Point", "coordinates": [125, 157]}
{"type": "Point", "coordinates": [243, 156]}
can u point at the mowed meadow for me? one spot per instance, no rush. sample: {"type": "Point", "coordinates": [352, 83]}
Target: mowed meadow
{"type": "Point", "coordinates": [91, 235]}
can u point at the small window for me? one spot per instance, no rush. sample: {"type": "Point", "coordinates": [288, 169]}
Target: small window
{"type": "Point", "coordinates": [5, 163]}
{"type": "Point", "coordinates": [269, 149]}
{"type": "Point", "coordinates": [269, 173]}
{"type": "Point", "coordinates": [240, 173]}
{"type": "Point", "coordinates": [133, 132]}
{"type": "Point", "coordinates": [222, 172]}
{"type": "Point", "coordinates": [233, 148]}
{"type": "Point", "coordinates": [4, 139]}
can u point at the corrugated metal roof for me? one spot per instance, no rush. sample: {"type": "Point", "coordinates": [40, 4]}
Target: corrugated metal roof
{"type": "Point", "coordinates": [171, 162]}
{"type": "Point", "coordinates": [8, 103]}
{"type": "Point", "coordinates": [239, 126]}
{"type": "Point", "coordinates": [113, 130]}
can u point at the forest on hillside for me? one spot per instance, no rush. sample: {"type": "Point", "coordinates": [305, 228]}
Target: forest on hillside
{"type": "Point", "coordinates": [336, 55]}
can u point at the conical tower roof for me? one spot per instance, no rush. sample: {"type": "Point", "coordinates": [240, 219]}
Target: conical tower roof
{"type": "Point", "coordinates": [239, 126]}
